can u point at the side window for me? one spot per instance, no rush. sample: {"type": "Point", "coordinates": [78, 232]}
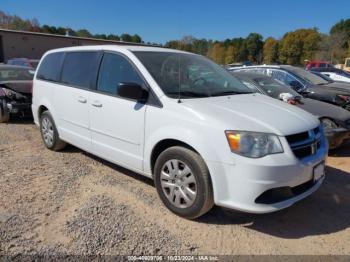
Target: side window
{"type": "Point", "coordinates": [50, 67]}
{"type": "Point", "coordinates": [294, 83]}
{"type": "Point", "coordinates": [116, 69]}
{"type": "Point", "coordinates": [278, 75]}
{"type": "Point", "coordinates": [251, 86]}
{"type": "Point", "coordinates": [80, 69]}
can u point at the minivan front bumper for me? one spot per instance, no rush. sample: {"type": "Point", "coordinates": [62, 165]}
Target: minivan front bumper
{"type": "Point", "coordinates": [267, 184]}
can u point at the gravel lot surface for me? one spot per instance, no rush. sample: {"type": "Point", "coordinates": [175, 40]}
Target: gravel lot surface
{"type": "Point", "coordinates": [74, 203]}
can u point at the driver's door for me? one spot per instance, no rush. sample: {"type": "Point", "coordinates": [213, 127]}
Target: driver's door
{"type": "Point", "coordinates": [117, 124]}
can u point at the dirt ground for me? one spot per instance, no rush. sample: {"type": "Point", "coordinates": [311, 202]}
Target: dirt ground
{"type": "Point", "coordinates": [74, 203]}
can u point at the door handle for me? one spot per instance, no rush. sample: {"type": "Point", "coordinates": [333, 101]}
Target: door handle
{"type": "Point", "coordinates": [82, 99]}
{"type": "Point", "coordinates": [96, 104]}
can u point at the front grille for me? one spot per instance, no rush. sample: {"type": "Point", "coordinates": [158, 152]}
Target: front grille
{"type": "Point", "coordinates": [305, 144]}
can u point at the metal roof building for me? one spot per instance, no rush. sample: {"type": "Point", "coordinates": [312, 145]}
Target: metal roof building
{"type": "Point", "coordinates": [32, 45]}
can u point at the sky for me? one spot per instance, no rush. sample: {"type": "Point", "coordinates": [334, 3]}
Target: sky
{"type": "Point", "coordinates": [163, 20]}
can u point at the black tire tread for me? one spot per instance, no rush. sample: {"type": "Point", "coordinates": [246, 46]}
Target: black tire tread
{"type": "Point", "coordinates": [194, 156]}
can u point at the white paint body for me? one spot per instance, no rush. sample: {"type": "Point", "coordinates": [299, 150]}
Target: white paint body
{"type": "Point", "coordinates": [125, 135]}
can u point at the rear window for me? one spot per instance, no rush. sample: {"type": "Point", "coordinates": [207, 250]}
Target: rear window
{"type": "Point", "coordinates": [80, 68]}
{"type": "Point", "coordinates": [50, 67]}
{"type": "Point", "coordinates": [15, 74]}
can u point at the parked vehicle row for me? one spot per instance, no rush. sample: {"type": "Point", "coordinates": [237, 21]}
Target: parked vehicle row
{"type": "Point", "coordinates": [32, 63]}
{"type": "Point", "coordinates": [336, 120]}
{"type": "Point", "coordinates": [15, 91]}
{"type": "Point", "coordinates": [335, 74]}
{"type": "Point", "coordinates": [306, 83]}
{"type": "Point", "coordinates": [200, 133]}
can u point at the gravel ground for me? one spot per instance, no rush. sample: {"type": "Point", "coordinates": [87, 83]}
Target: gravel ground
{"type": "Point", "coordinates": [74, 203]}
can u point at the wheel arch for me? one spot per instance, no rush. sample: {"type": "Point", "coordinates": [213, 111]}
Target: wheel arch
{"type": "Point", "coordinates": [164, 144]}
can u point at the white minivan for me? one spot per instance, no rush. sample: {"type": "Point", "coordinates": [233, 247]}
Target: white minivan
{"type": "Point", "coordinates": [183, 121]}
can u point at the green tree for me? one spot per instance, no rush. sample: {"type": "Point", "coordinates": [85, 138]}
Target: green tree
{"type": "Point", "coordinates": [83, 33]}
{"type": "Point", "coordinates": [343, 26]}
{"type": "Point", "coordinates": [299, 45]}
{"type": "Point", "coordinates": [113, 37]}
{"type": "Point", "coordinates": [254, 46]}
{"type": "Point", "coordinates": [136, 39]}
{"type": "Point", "coordinates": [270, 51]}
{"type": "Point", "coordinates": [126, 37]}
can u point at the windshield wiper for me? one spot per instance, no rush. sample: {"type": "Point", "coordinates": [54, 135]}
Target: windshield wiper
{"type": "Point", "coordinates": [223, 93]}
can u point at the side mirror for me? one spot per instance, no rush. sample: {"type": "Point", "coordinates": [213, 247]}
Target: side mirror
{"type": "Point", "coordinates": [132, 91]}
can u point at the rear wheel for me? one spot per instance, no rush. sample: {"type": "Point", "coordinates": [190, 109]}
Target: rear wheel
{"type": "Point", "coordinates": [183, 182]}
{"type": "Point", "coordinates": [4, 113]}
{"type": "Point", "coordinates": [49, 132]}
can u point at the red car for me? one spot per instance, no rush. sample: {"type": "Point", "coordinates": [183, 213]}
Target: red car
{"type": "Point", "coordinates": [317, 64]}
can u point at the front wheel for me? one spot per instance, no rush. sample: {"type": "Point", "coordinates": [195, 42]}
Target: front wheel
{"type": "Point", "coordinates": [49, 132]}
{"type": "Point", "coordinates": [183, 182]}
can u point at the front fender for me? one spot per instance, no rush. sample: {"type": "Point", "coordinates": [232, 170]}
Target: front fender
{"type": "Point", "coordinates": [182, 134]}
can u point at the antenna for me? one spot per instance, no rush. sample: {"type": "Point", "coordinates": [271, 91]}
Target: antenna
{"type": "Point", "coordinates": [179, 57]}
{"type": "Point", "coordinates": [179, 78]}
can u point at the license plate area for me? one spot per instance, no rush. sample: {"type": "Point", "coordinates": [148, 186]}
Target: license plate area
{"type": "Point", "coordinates": [319, 171]}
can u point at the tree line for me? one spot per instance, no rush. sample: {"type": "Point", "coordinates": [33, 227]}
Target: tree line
{"type": "Point", "coordinates": [14, 22]}
{"type": "Point", "coordinates": [293, 48]}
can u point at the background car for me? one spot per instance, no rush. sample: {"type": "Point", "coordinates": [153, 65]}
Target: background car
{"type": "Point", "coordinates": [335, 74]}
{"type": "Point", "coordinates": [15, 91]}
{"type": "Point", "coordinates": [318, 64]}
{"type": "Point", "coordinates": [32, 63]}
{"type": "Point", "coordinates": [336, 120]}
{"type": "Point", "coordinates": [306, 83]}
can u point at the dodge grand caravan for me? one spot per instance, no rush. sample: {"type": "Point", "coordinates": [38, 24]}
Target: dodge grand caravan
{"type": "Point", "coordinates": [183, 121]}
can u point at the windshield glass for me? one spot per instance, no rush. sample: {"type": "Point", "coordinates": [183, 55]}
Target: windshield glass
{"type": "Point", "coordinates": [190, 75]}
{"type": "Point", "coordinates": [309, 77]}
{"type": "Point", "coordinates": [273, 87]}
{"type": "Point", "coordinates": [13, 74]}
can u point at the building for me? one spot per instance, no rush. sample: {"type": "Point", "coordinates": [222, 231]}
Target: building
{"type": "Point", "coordinates": [32, 45]}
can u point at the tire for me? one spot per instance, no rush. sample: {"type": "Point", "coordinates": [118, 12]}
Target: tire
{"type": "Point", "coordinates": [4, 113]}
{"type": "Point", "coordinates": [190, 194]}
{"type": "Point", "coordinates": [49, 133]}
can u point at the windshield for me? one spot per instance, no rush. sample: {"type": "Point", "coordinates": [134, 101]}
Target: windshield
{"type": "Point", "coordinates": [309, 77]}
{"type": "Point", "coordinates": [189, 75]}
{"type": "Point", "coordinates": [13, 74]}
{"type": "Point", "coordinates": [273, 87]}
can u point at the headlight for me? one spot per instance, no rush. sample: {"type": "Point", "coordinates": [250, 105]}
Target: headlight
{"type": "Point", "coordinates": [328, 124]}
{"type": "Point", "coordinates": [343, 98]}
{"type": "Point", "coordinates": [253, 144]}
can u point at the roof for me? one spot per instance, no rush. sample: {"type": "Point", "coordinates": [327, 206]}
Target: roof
{"type": "Point", "coordinates": [250, 75]}
{"type": "Point", "coordinates": [287, 67]}
{"type": "Point", "coordinates": [116, 48]}
{"type": "Point", "coordinates": [70, 37]}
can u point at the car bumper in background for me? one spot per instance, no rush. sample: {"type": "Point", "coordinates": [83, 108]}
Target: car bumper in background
{"type": "Point", "coordinates": [336, 137]}
{"type": "Point", "coordinates": [19, 108]}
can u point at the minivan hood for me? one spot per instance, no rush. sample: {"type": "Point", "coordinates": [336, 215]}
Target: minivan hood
{"type": "Point", "coordinates": [253, 112]}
